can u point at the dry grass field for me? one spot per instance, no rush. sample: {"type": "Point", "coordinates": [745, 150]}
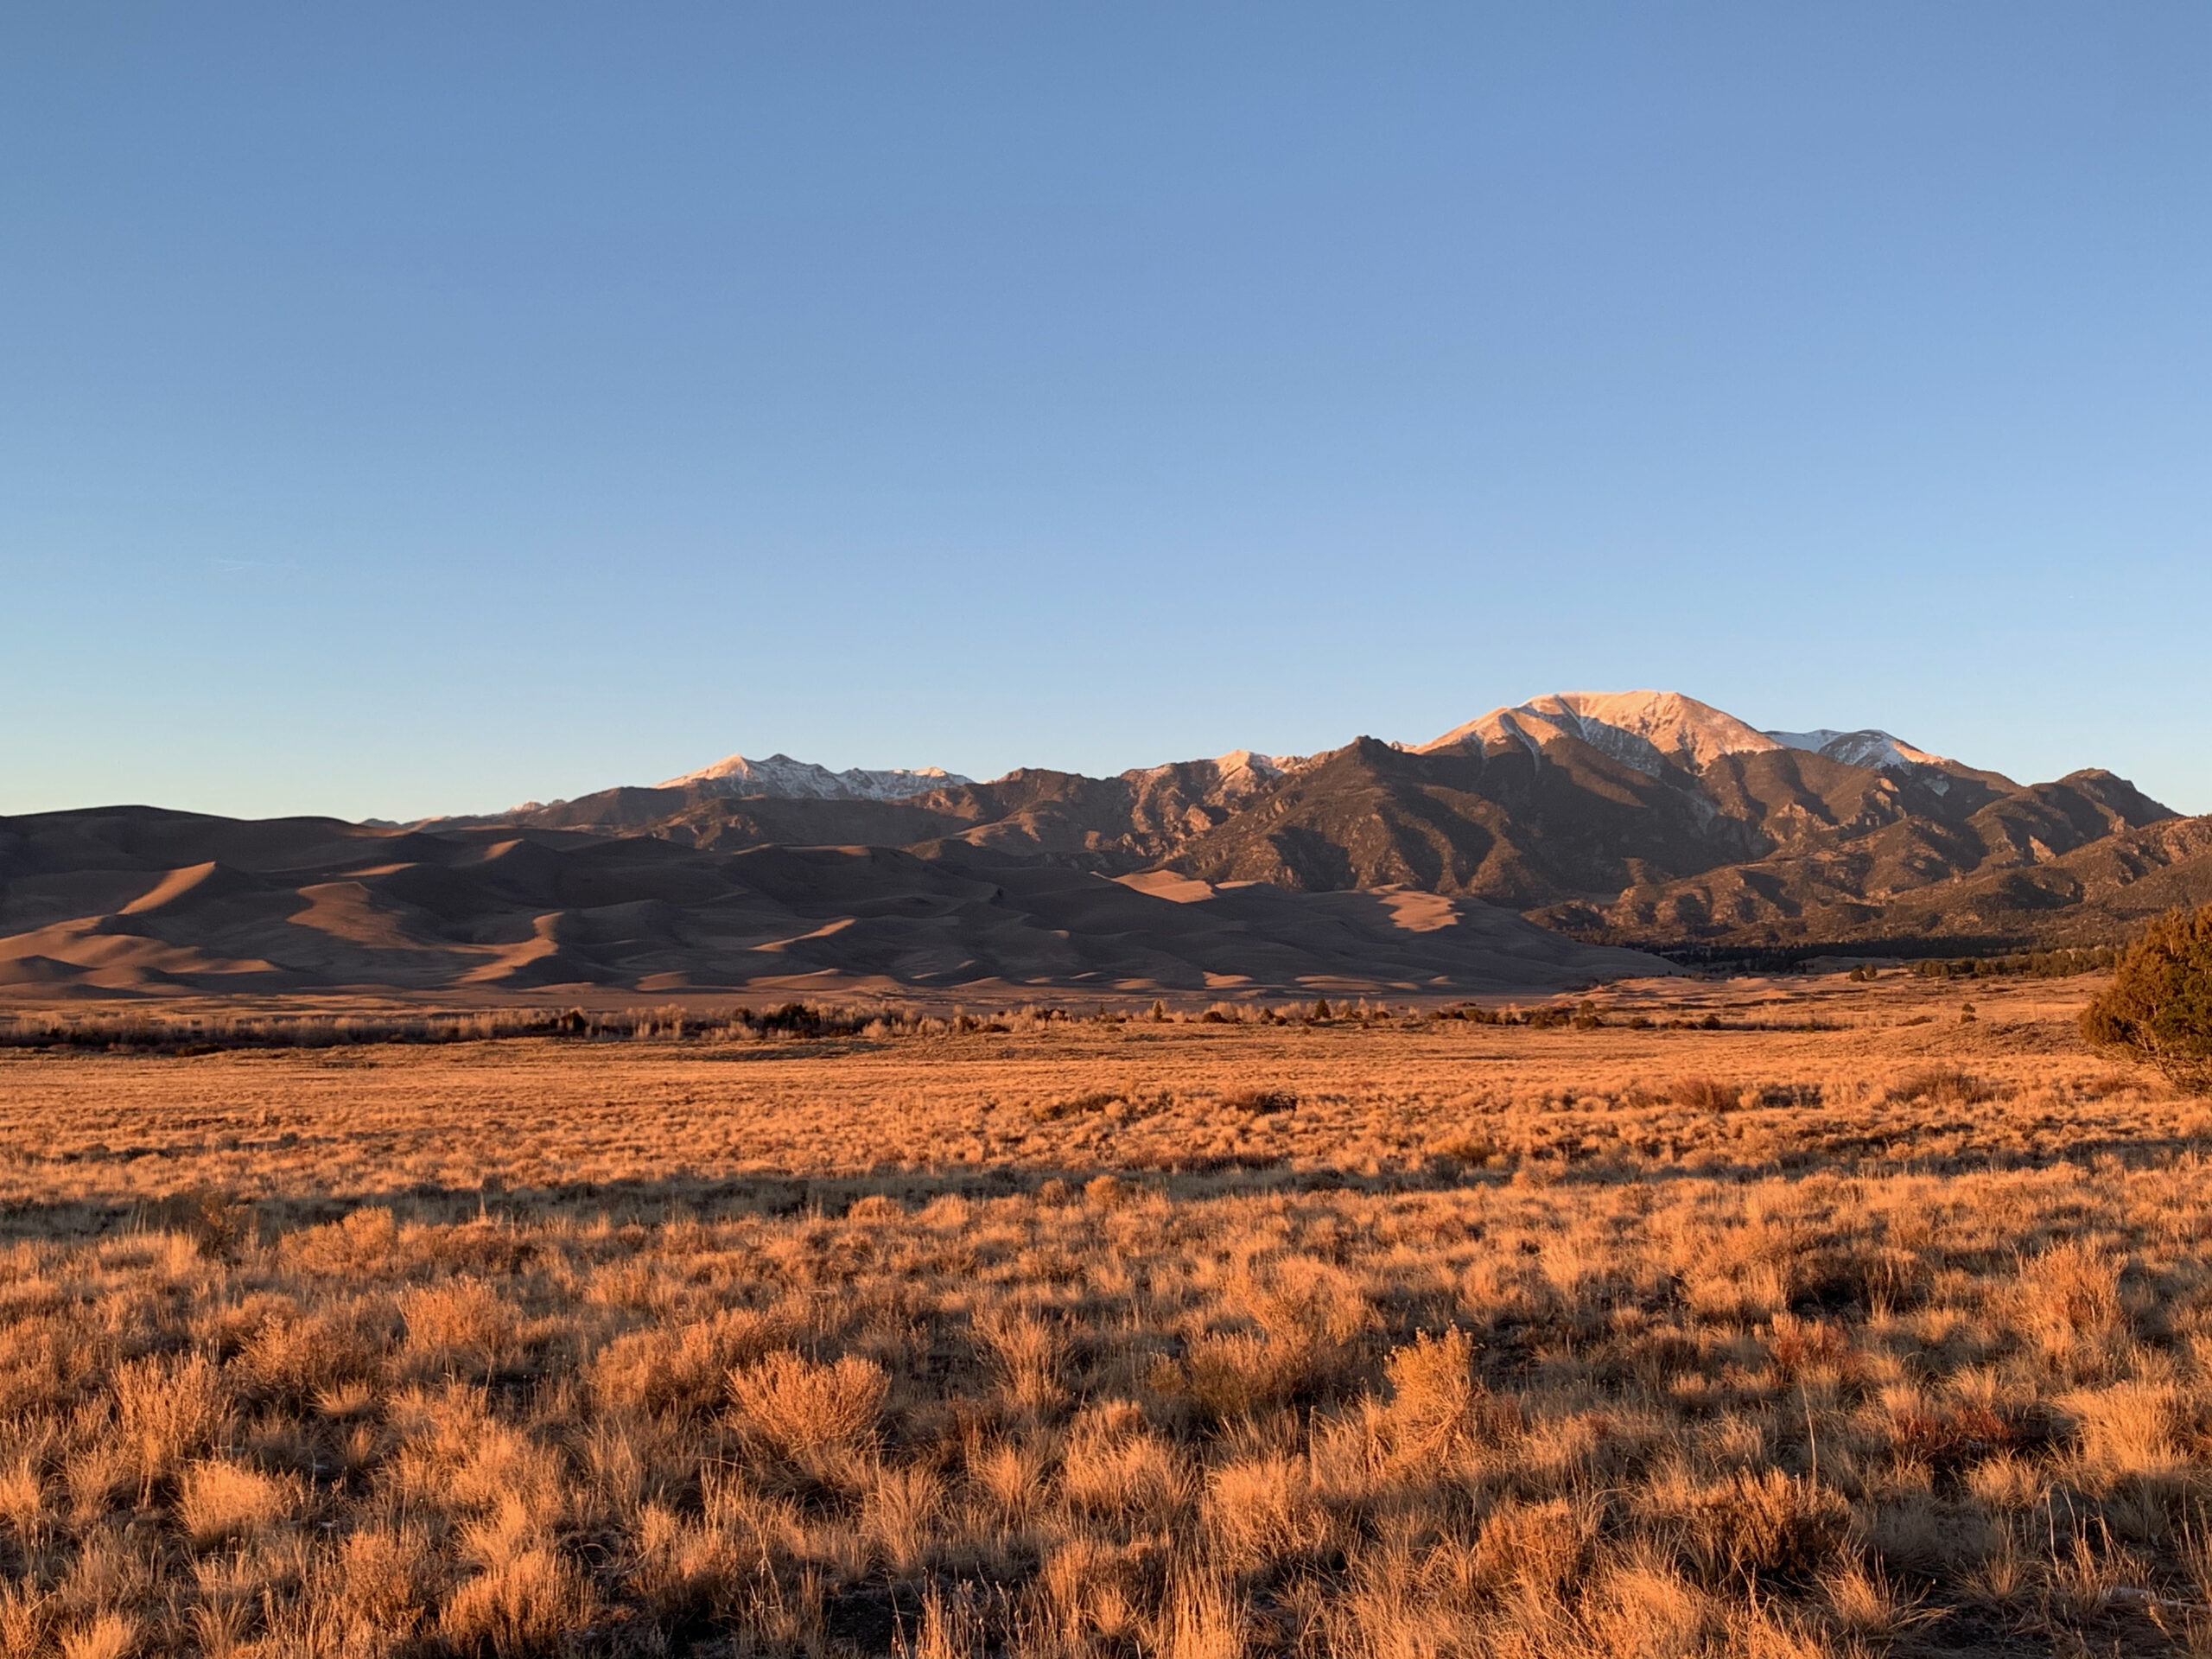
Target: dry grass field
{"type": "Point", "coordinates": [1853, 1326]}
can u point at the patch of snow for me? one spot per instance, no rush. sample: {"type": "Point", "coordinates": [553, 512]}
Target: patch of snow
{"type": "Point", "coordinates": [1864, 747]}
{"type": "Point", "coordinates": [1644, 729]}
{"type": "Point", "coordinates": [1236, 775]}
{"type": "Point", "coordinates": [1245, 772]}
{"type": "Point", "coordinates": [781, 778]}
{"type": "Point", "coordinates": [1650, 730]}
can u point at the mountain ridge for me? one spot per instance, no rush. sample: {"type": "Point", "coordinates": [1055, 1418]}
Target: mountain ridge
{"type": "Point", "coordinates": [780, 777]}
{"type": "Point", "coordinates": [1625, 723]}
{"type": "Point", "coordinates": [1643, 817]}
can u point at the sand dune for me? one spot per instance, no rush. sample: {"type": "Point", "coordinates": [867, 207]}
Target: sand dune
{"type": "Point", "coordinates": [127, 901]}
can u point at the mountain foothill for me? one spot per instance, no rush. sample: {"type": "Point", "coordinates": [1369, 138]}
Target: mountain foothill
{"type": "Point", "coordinates": [1546, 846]}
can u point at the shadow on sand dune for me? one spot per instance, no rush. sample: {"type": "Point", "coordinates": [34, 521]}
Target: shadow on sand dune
{"type": "Point", "coordinates": [131, 901]}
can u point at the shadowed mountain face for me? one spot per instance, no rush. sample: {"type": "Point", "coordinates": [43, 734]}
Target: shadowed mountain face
{"type": "Point", "coordinates": [1643, 817]}
{"type": "Point", "coordinates": [1928, 873]}
{"type": "Point", "coordinates": [1113, 825]}
{"type": "Point", "coordinates": [1761, 848]}
{"type": "Point", "coordinates": [1775, 847]}
{"type": "Point", "coordinates": [134, 900]}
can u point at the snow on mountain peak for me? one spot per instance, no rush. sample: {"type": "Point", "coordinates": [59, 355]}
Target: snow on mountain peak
{"type": "Point", "coordinates": [1650, 730]}
{"type": "Point", "coordinates": [1867, 747]}
{"type": "Point", "coordinates": [1236, 776]}
{"type": "Point", "coordinates": [1643, 729]}
{"type": "Point", "coordinates": [783, 778]}
{"type": "Point", "coordinates": [1245, 772]}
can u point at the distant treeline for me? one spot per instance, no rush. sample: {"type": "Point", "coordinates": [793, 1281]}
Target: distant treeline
{"type": "Point", "coordinates": [1580, 1016]}
{"type": "Point", "coordinates": [188, 1033]}
{"type": "Point", "coordinates": [1950, 958]}
{"type": "Point", "coordinates": [2037, 964]}
{"type": "Point", "coordinates": [206, 1033]}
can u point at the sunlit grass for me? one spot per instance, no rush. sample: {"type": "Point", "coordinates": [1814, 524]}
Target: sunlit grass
{"type": "Point", "coordinates": [1392, 1340]}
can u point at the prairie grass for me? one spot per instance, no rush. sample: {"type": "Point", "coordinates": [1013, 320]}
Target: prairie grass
{"type": "Point", "coordinates": [1391, 1338]}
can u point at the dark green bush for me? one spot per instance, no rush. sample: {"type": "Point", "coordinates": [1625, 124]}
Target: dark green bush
{"type": "Point", "coordinates": [2157, 1010]}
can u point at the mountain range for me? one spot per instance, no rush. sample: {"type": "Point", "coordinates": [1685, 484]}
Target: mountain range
{"type": "Point", "coordinates": [1547, 845]}
{"type": "Point", "coordinates": [1645, 818]}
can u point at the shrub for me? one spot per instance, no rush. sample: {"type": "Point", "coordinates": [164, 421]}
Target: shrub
{"type": "Point", "coordinates": [1052, 1111]}
{"type": "Point", "coordinates": [1705, 1095]}
{"type": "Point", "coordinates": [666, 1369]}
{"type": "Point", "coordinates": [1433, 1388]}
{"type": "Point", "coordinates": [527, 1600]}
{"type": "Point", "coordinates": [2158, 1011]}
{"type": "Point", "coordinates": [460, 1321]}
{"type": "Point", "coordinates": [797, 1406]}
{"type": "Point", "coordinates": [218, 1224]}
{"type": "Point", "coordinates": [169, 1410]}
{"type": "Point", "coordinates": [1260, 1101]}
{"type": "Point", "coordinates": [1946, 1086]}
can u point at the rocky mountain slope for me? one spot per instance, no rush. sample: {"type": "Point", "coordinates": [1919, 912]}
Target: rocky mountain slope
{"type": "Point", "coordinates": [1113, 825]}
{"type": "Point", "coordinates": [1632, 817]}
{"type": "Point", "coordinates": [781, 778]}
{"type": "Point", "coordinates": [1607, 834]}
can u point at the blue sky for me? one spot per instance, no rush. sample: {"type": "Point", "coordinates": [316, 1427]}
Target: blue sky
{"type": "Point", "coordinates": [409, 408]}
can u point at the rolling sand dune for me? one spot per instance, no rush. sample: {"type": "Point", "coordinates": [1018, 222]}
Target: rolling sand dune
{"type": "Point", "coordinates": [134, 900]}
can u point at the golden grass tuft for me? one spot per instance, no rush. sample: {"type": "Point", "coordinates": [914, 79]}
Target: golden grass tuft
{"type": "Point", "coordinates": [684, 1368]}
{"type": "Point", "coordinates": [524, 1596]}
{"type": "Point", "coordinates": [108, 1636]}
{"type": "Point", "coordinates": [219, 1501]}
{"type": "Point", "coordinates": [803, 1410]}
{"type": "Point", "coordinates": [167, 1410]}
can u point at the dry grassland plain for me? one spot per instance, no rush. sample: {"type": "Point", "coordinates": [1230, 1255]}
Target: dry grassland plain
{"type": "Point", "coordinates": [1855, 1326]}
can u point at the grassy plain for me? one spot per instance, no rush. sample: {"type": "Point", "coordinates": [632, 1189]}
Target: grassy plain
{"type": "Point", "coordinates": [1853, 1327]}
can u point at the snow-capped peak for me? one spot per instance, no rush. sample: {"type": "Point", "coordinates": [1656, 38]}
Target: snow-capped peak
{"type": "Point", "coordinates": [1650, 730]}
{"type": "Point", "coordinates": [1643, 729]}
{"type": "Point", "coordinates": [1867, 747]}
{"type": "Point", "coordinates": [782, 777]}
{"type": "Point", "coordinates": [1243, 770]}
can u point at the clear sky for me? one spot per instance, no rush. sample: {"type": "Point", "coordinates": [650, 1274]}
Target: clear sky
{"type": "Point", "coordinates": [424, 408]}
